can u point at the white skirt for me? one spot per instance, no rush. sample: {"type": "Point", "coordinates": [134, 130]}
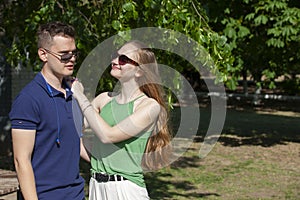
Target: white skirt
{"type": "Point", "coordinates": [116, 190]}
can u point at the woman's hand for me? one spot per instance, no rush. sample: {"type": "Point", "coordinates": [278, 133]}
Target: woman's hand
{"type": "Point", "coordinates": [77, 89]}
{"type": "Point", "coordinates": [69, 80]}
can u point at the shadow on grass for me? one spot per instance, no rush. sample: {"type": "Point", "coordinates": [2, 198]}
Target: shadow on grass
{"type": "Point", "coordinates": [186, 162]}
{"type": "Point", "coordinates": [248, 127]}
{"type": "Point", "coordinates": [252, 128]}
{"type": "Point", "coordinates": [240, 128]}
{"type": "Point", "coordinates": [159, 188]}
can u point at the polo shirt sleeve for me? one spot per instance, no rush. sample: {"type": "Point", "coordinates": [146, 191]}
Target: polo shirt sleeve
{"type": "Point", "coordinates": [24, 113]}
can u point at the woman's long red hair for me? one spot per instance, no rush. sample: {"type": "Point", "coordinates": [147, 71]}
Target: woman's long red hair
{"type": "Point", "coordinates": [158, 149]}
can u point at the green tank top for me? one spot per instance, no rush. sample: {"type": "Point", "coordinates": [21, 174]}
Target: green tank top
{"type": "Point", "coordinates": [122, 158]}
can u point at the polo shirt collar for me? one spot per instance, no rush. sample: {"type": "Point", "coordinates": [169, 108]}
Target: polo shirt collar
{"type": "Point", "coordinates": [42, 82]}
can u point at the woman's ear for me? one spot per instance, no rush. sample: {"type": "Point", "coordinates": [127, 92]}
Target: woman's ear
{"type": "Point", "coordinates": [42, 54]}
{"type": "Point", "coordinates": [139, 73]}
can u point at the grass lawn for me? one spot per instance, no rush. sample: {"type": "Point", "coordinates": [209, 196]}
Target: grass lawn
{"type": "Point", "coordinates": [256, 157]}
{"type": "Point", "coordinates": [243, 172]}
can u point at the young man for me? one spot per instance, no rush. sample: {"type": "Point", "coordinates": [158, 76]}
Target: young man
{"type": "Point", "coordinates": [46, 141]}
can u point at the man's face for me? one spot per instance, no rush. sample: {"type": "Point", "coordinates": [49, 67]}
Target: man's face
{"type": "Point", "coordinates": [60, 57]}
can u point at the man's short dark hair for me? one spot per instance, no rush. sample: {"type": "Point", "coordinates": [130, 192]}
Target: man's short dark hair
{"type": "Point", "coordinates": [47, 31]}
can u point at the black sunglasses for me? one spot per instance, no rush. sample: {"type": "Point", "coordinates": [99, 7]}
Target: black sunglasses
{"type": "Point", "coordinates": [64, 57]}
{"type": "Point", "coordinates": [123, 60]}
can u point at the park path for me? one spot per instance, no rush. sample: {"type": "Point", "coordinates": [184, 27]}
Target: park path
{"type": "Point", "coordinates": [8, 185]}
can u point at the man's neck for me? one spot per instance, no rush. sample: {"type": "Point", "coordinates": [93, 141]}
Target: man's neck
{"type": "Point", "coordinates": [54, 81]}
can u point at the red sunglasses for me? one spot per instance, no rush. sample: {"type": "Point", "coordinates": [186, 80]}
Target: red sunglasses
{"type": "Point", "coordinates": [123, 60]}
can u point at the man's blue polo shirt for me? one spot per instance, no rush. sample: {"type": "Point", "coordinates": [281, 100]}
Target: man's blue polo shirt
{"type": "Point", "coordinates": [56, 167]}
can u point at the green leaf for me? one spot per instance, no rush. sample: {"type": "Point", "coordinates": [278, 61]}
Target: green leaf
{"type": "Point", "coordinates": [37, 18]}
{"type": "Point", "coordinates": [231, 84]}
{"type": "Point", "coordinates": [222, 41]}
{"type": "Point", "coordinates": [274, 31]}
{"type": "Point", "coordinates": [230, 32]}
{"type": "Point", "coordinates": [182, 16]}
{"type": "Point", "coordinates": [264, 19]}
{"type": "Point", "coordinates": [80, 45]}
{"type": "Point", "coordinates": [116, 25]}
{"type": "Point", "coordinates": [175, 2]}
{"type": "Point", "coordinates": [275, 42]}
{"type": "Point", "coordinates": [261, 19]}
{"type": "Point", "coordinates": [227, 11]}
{"type": "Point", "coordinates": [128, 6]}
{"type": "Point", "coordinates": [243, 31]}
{"type": "Point", "coordinates": [250, 16]}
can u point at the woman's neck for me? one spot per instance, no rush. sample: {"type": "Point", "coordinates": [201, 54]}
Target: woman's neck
{"type": "Point", "coordinates": [128, 93]}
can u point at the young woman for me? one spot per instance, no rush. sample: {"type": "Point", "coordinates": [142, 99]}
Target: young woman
{"type": "Point", "coordinates": [131, 127]}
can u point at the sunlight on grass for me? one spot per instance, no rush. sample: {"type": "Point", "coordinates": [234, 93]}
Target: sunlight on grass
{"type": "Point", "coordinates": [256, 157]}
{"type": "Point", "coordinates": [226, 173]}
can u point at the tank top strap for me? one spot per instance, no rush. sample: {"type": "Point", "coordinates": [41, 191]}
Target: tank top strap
{"type": "Point", "coordinates": [138, 98]}
{"type": "Point", "coordinates": [114, 101]}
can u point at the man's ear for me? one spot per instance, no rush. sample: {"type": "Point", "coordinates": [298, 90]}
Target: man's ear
{"type": "Point", "coordinates": [42, 54]}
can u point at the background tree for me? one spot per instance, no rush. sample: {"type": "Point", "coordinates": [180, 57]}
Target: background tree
{"type": "Point", "coordinates": [264, 37]}
{"type": "Point", "coordinates": [95, 21]}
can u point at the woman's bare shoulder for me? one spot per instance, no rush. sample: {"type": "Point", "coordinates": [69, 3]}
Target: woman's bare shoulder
{"type": "Point", "coordinates": [146, 101]}
{"type": "Point", "coordinates": [102, 99]}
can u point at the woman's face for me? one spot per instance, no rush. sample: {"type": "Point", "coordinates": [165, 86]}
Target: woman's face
{"type": "Point", "coordinates": [124, 66]}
